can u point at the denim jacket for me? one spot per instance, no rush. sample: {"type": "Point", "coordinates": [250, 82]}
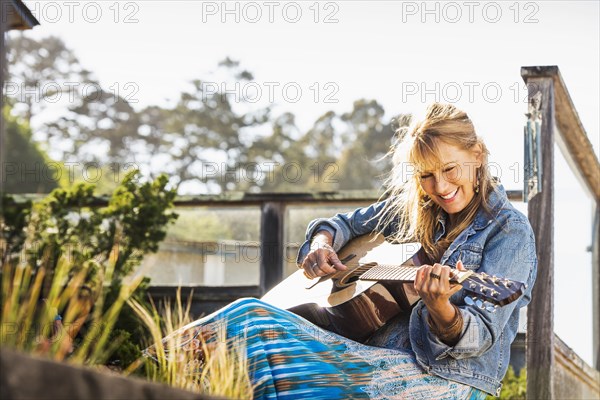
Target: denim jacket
{"type": "Point", "coordinates": [500, 244]}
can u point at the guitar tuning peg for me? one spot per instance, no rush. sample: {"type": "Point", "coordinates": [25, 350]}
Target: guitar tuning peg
{"type": "Point", "coordinates": [469, 300]}
{"type": "Point", "coordinates": [479, 304]}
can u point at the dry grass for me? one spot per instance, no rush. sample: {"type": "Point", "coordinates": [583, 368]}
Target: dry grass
{"type": "Point", "coordinates": [196, 358]}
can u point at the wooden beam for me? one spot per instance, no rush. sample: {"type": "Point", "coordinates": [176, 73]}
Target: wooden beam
{"type": "Point", "coordinates": [572, 138]}
{"type": "Point", "coordinates": [243, 198]}
{"type": "Point", "coordinates": [16, 15]}
{"type": "Point", "coordinates": [540, 319]}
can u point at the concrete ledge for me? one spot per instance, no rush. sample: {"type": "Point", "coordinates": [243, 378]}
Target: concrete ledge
{"type": "Point", "coordinates": [25, 377]}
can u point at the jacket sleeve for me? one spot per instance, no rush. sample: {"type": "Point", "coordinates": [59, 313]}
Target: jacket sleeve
{"type": "Point", "coordinates": [344, 227]}
{"type": "Point", "coordinates": [510, 253]}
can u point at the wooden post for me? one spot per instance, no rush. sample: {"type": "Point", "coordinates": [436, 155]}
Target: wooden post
{"type": "Point", "coordinates": [596, 285]}
{"type": "Point", "coordinates": [272, 246]}
{"type": "Point", "coordinates": [540, 320]}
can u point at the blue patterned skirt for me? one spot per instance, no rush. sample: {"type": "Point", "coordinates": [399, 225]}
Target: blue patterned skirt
{"type": "Point", "coordinates": [291, 358]}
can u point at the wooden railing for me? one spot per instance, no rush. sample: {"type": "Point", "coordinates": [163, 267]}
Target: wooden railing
{"type": "Point", "coordinates": [560, 124]}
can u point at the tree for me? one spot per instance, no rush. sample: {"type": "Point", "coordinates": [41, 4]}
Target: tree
{"type": "Point", "coordinates": [209, 141]}
{"type": "Point", "coordinates": [204, 139]}
{"type": "Point", "coordinates": [40, 72]}
{"type": "Point", "coordinates": [363, 164]}
{"type": "Point", "coordinates": [95, 126]}
{"type": "Point", "coordinates": [339, 152]}
{"type": "Point", "coordinates": [26, 168]}
{"type": "Point", "coordinates": [100, 127]}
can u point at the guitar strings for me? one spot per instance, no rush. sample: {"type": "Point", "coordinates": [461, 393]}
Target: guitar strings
{"type": "Point", "coordinates": [374, 271]}
{"type": "Point", "coordinates": [371, 271]}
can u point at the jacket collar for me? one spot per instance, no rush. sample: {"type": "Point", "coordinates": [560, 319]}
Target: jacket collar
{"type": "Point", "coordinates": [497, 200]}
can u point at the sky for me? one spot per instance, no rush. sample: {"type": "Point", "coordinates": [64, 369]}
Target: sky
{"type": "Point", "coordinates": [311, 57]}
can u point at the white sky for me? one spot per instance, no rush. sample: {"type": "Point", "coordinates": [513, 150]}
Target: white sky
{"type": "Point", "coordinates": [391, 51]}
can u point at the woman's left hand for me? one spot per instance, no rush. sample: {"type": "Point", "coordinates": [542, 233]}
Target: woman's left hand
{"type": "Point", "coordinates": [435, 291]}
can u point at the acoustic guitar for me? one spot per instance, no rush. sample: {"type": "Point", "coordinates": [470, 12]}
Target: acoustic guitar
{"type": "Point", "coordinates": [358, 301]}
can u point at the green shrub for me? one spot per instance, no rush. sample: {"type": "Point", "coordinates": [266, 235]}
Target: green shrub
{"type": "Point", "coordinates": [514, 387]}
{"type": "Point", "coordinates": [102, 244]}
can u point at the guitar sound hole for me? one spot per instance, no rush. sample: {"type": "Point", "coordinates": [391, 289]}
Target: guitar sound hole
{"type": "Point", "coordinates": [349, 278]}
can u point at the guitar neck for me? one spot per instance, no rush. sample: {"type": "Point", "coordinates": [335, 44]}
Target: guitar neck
{"type": "Point", "coordinates": [382, 272]}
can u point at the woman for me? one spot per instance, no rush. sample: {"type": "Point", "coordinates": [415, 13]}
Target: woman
{"type": "Point", "coordinates": [445, 349]}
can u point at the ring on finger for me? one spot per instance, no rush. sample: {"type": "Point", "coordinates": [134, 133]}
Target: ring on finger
{"type": "Point", "coordinates": [314, 265]}
{"type": "Point", "coordinates": [434, 276]}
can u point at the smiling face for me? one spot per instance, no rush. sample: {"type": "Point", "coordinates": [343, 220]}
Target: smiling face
{"type": "Point", "coordinates": [450, 181]}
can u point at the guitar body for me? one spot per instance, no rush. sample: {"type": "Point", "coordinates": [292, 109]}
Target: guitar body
{"type": "Point", "coordinates": [340, 303]}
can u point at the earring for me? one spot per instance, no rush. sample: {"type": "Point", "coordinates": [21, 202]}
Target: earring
{"type": "Point", "coordinates": [476, 188]}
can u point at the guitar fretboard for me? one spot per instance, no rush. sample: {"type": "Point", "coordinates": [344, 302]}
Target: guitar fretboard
{"type": "Point", "coordinates": [384, 272]}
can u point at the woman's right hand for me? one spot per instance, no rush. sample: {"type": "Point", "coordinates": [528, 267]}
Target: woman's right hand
{"type": "Point", "coordinates": [322, 259]}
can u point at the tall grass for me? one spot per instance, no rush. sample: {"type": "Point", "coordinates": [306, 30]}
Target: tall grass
{"type": "Point", "coordinates": [28, 325]}
{"type": "Point", "coordinates": [196, 358]}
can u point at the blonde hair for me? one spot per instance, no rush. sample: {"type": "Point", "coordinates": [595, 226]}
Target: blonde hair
{"type": "Point", "coordinates": [408, 207]}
